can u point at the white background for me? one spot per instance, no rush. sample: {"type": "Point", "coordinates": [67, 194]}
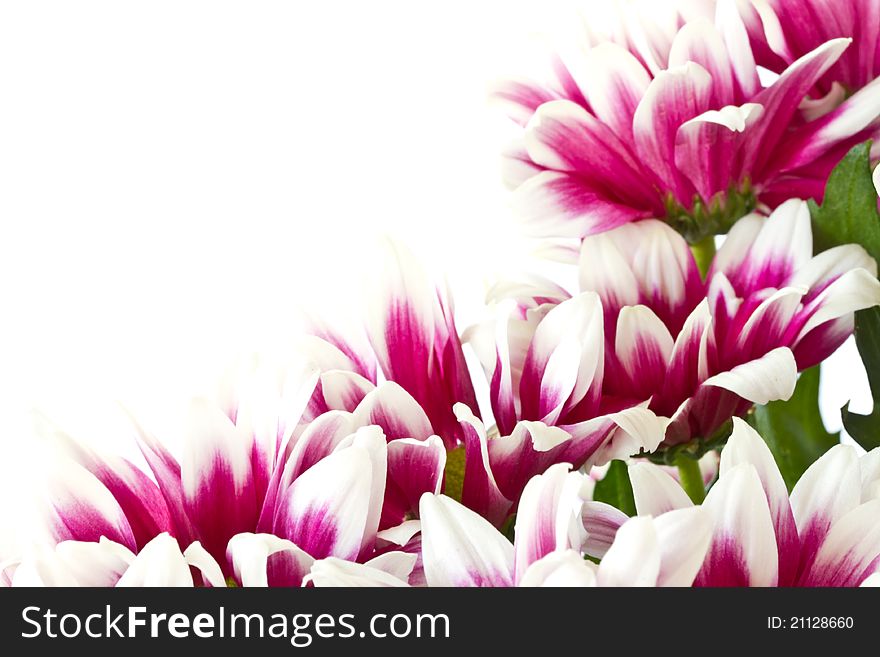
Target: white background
{"type": "Point", "coordinates": [178, 179]}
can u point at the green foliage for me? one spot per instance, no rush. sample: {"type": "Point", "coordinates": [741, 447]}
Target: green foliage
{"type": "Point", "coordinates": [793, 429]}
{"type": "Point", "coordinates": [866, 428]}
{"type": "Point", "coordinates": [615, 489]}
{"type": "Point", "coordinates": [849, 215]}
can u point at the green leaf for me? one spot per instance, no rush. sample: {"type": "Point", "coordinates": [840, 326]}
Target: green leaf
{"type": "Point", "coordinates": [849, 215]}
{"type": "Point", "coordinates": [615, 489]}
{"type": "Point", "coordinates": [793, 429]}
{"type": "Point", "coordinates": [849, 210]}
{"type": "Point", "coordinates": [865, 429]}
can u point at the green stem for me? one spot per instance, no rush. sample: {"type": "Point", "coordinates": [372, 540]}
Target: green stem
{"type": "Point", "coordinates": [691, 478]}
{"type": "Point", "coordinates": [704, 252]}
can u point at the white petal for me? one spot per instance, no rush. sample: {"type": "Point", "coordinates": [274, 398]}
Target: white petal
{"type": "Point", "coordinates": [566, 568]}
{"type": "Point", "coordinates": [460, 548]}
{"type": "Point", "coordinates": [743, 550]}
{"type": "Point", "coordinates": [655, 491]}
{"type": "Point", "coordinates": [159, 563]}
{"type": "Point", "coordinates": [830, 488]}
{"type": "Point", "coordinates": [549, 516]}
{"type": "Point", "coordinates": [198, 557]}
{"type": "Point", "coordinates": [768, 378]}
{"type": "Point", "coordinates": [333, 572]}
{"type": "Point", "coordinates": [398, 564]}
{"type": "Point", "coordinates": [249, 555]}
{"type": "Point", "coordinates": [634, 557]}
{"type": "Point", "coordinates": [684, 536]}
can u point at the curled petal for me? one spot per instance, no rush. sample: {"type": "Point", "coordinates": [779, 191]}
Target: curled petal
{"type": "Point", "coordinates": [266, 560]}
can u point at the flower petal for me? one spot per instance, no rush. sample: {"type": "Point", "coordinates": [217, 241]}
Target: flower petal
{"type": "Point", "coordinates": [634, 557]}
{"type": "Point", "coordinates": [80, 508]}
{"type": "Point", "coordinates": [655, 491]}
{"type": "Point", "coordinates": [566, 568]}
{"type": "Point", "coordinates": [414, 467]}
{"type": "Point", "coordinates": [159, 563]}
{"type": "Point", "coordinates": [601, 522]}
{"type": "Point", "coordinates": [684, 536]}
{"type": "Point", "coordinates": [829, 489]}
{"type": "Point", "coordinates": [333, 572]}
{"type": "Point", "coordinates": [549, 516]}
{"type": "Point", "coordinates": [460, 548]}
{"type": "Point", "coordinates": [850, 552]}
{"type": "Point", "coordinates": [218, 483]}
{"type": "Point", "coordinates": [772, 376]}
{"type": "Point", "coordinates": [266, 560]}
{"type": "Point", "coordinates": [336, 521]}
{"type": "Point", "coordinates": [746, 446]}
{"type": "Point", "coordinates": [563, 366]}
{"type": "Point", "coordinates": [743, 550]}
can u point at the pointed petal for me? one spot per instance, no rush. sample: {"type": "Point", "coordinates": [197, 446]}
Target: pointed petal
{"type": "Point", "coordinates": [80, 508]}
{"type": "Point", "coordinates": [829, 489]}
{"type": "Point", "coordinates": [411, 327]}
{"type": "Point", "coordinates": [460, 548]}
{"type": "Point", "coordinates": [746, 446]}
{"type": "Point", "coordinates": [159, 563]}
{"type": "Point", "coordinates": [756, 259]}
{"type": "Point", "coordinates": [613, 82]}
{"type": "Point", "coordinates": [684, 536]}
{"type": "Point", "coordinates": [850, 552]}
{"type": "Point", "coordinates": [556, 204]}
{"type": "Point", "coordinates": [743, 550]}
{"type": "Point", "coordinates": [217, 476]}
{"type": "Point", "coordinates": [634, 557]}
{"type": "Point", "coordinates": [344, 390]}
{"type": "Point", "coordinates": [549, 516]}
{"type": "Point", "coordinates": [643, 346]}
{"type": "Point", "coordinates": [655, 491]}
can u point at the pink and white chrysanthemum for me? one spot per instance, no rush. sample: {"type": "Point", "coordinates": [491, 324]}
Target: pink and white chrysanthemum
{"type": "Point", "coordinates": [546, 374]}
{"type": "Point", "coordinates": [411, 340]}
{"type": "Point", "coordinates": [460, 548]}
{"type": "Point", "coordinates": [246, 484]}
{"type": "Point", "coordinates": [826, 533]}
{"type": "Point", "coordinates": [781, 31]}
{"type": "Point", "coordinates": [673, 123]}
{"type": "Point", "coordinates": [698, 352]}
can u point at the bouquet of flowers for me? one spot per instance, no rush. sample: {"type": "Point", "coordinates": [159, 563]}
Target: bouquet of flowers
{"type": "Point", "coordinates": [707, 172]}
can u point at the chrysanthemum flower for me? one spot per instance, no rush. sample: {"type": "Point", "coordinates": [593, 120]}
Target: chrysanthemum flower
{"type": "Point", "coordinates": [412, 341]}
{"type": "Point", "coordinates": [245, 475]}
{"type": "Point", "coordinates": [701, 352]}
{"type": "Point", "coordinates": [460, 548]}
{"type": "Point", "coordinates": [107, 563]}
{"type": "Point", "coordinates": [781, 31]}
{"type": "Point", "coordinates": [679, 129]}
{"type": "Point", "coordinates": [824, 534]}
